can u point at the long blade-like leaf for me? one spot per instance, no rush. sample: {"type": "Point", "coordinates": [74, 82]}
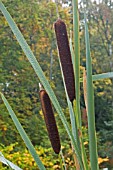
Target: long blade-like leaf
{"type": "Point", "coordinates": [72, 115]}
{"type": "Point", "coordinates": [77, 59]}
{"type": "Point", "coordinates": [100, 76]}
{"type": "Point", "coordinates": [72, 53]}
{"type": "Point", "coordinates": [90, 104]}
{"type": "Point", "coordinates": [8, 163]}
{"type": "Point", "coordinates": [76, 56]}
{"type": "Point", "coordinates": [23, 134]}
{"type": "Point", "coordinates": [39, 73]}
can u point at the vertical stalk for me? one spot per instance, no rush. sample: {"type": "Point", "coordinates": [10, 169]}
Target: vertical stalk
{"type": "Point", "coordinates": [63, 164]}
{"type": "Point", "coordinates": [51, 64]}
{"type": "Point", "coordinates": [77, 75]}
{"type": "Point", "coordinates": [90, 104]}
{"type": "Point", "coordinates": [77, 59]}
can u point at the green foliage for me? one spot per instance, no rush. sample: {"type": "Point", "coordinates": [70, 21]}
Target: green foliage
{"type": "Point", "coordinates": [24, 160]}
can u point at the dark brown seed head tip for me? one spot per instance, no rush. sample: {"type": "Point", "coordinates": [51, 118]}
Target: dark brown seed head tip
{"type": "Point", "coordinates": [60, 27]}
{"type": "Point", "coordinates": [59, 22]}
{"type": "Point", "coordinates": [57, 149]}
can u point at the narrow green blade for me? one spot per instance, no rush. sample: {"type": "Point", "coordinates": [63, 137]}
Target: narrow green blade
{"type": "Point", "coordinates": [8, 163]}
{"type": "Point", "coordinates": [23, 134]}
{"type": "Point", "coordinates": [72, 53]}
{"type": "Point", "coordinates": [90, 104]}
{"type": "Point", "coordinates": [77, 60]}
{"type": "Point", "coordinates": [100, 76]}
{"type": "Point", "coordinates": [72, 115]}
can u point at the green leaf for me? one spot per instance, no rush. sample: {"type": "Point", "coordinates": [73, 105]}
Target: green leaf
{"type": "Point", "coordinates": [8, 163]}
{"type": "Point", "coordinates": [100, 76]}
{"type": "Point", "coordinates": [77, 59]}
{"type": "Point", "coordinates": [76, 54]}
{"type": "Point", "coordinates": [23, 134]}
{"type": "Point", "coordinates": [90, 104]}
{"type": "Point", "coordinates": [72, 115]}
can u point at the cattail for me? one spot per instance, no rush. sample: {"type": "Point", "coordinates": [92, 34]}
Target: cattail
{"type": "Point", "coordinates": [50, 121]}
{"type": "Point", "coordinates": [65, 57]}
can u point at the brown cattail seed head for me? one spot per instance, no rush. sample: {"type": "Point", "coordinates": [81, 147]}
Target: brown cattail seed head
{"type": "Point", "coordinates": [50, 121]}
{"type": "Point", "coordinates": [65, 57]}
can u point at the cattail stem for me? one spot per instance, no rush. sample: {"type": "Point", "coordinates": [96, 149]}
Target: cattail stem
{"type": "Point", "coordinates": [50, 121]}
{"type": "Point", "coordinates": [65, 57]}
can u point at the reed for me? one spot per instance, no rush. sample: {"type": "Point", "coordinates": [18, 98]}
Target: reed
{"type": "Point", "coordinates": [90, 104]}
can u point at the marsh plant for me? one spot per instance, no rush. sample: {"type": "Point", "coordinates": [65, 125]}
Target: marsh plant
{"type": "Point", "coordinates": [69, 60]}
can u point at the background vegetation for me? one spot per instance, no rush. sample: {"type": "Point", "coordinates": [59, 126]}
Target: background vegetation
{"type": "Point", "coordinates": [20, 84]}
